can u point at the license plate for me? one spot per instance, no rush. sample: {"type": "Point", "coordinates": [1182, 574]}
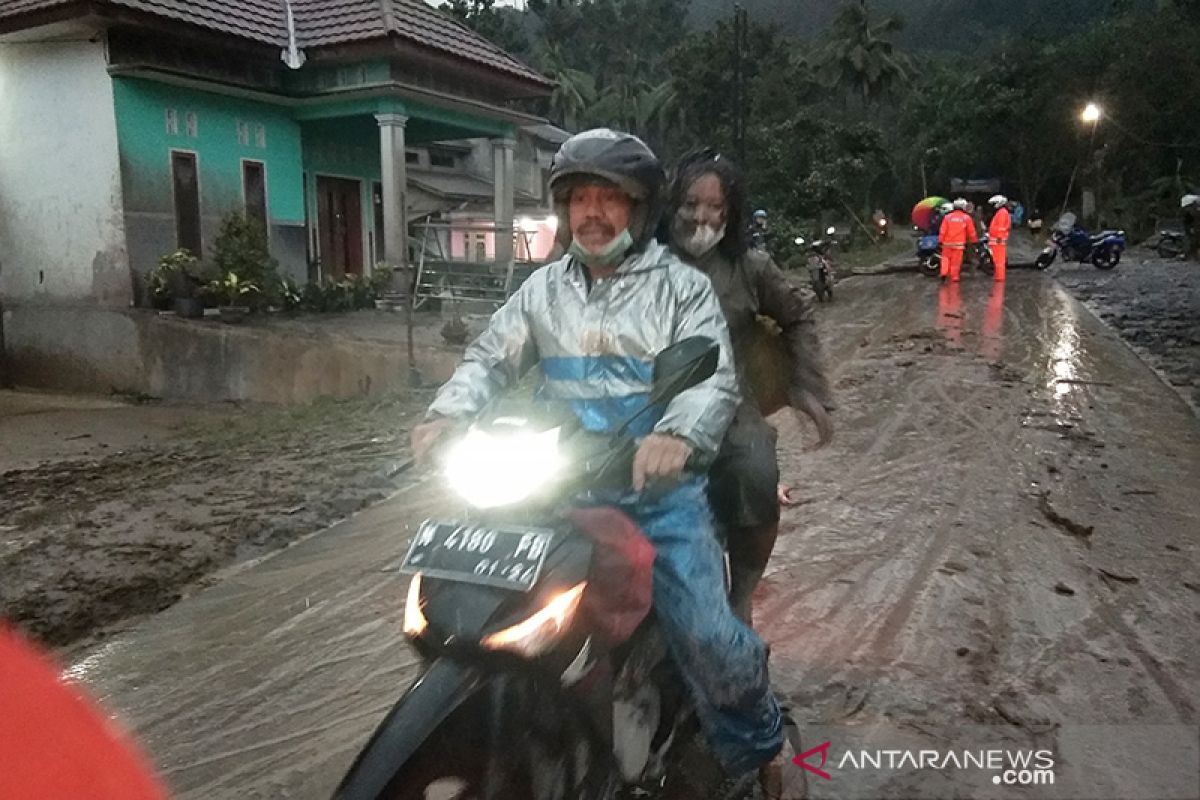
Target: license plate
{"type": "Point", "coordinates": [510, 558]}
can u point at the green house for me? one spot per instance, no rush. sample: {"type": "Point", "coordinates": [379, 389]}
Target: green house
{"type": "Point", "coordinates": [128, 128]}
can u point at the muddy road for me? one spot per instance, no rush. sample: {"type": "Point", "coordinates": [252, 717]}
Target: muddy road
{"type": "Point", "coordinates": [113, 509]}
{"type": "Point", "coordinates": [999, 551]}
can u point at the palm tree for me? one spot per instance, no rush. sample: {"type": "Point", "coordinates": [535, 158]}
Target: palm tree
{"type": "Point", "coordinates": [575, 90]}
{"type": "Point", "coordinates": [859, 57]}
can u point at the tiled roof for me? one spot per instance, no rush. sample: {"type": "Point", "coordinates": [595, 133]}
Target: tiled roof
{"type": "Point", "coordinates": [13, 7]}
{"type": "Point", "coordinates": [322, 22]}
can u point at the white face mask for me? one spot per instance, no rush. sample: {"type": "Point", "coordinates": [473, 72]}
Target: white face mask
{"type": "Point", "coordinates": [702, 237]}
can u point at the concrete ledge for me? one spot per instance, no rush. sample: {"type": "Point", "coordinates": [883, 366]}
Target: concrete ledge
{"type": "Point", "coordinates": [270, 360]}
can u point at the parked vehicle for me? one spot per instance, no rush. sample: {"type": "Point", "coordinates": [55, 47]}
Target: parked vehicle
{"type": "Point", "coordinates": [983, 255]}
{"type": "Point", "coordinates": [1074, 243]}
{"type": "Point", "coordinates": [929, 254]}
{"type": "Point", "coordinates": [820, 265]}
{"type": "Point", "coordinates": [1172, 243]}
{"type": "Point", "coordinates": [522, 694]}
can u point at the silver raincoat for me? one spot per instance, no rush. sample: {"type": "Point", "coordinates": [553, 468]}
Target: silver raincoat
{"type": "Point", "coordinates": [596, 349]}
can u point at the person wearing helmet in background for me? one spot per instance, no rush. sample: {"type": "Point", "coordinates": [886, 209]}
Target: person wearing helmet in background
{"type": "Point", "coordinates": [998, 231]}
{"type": "Point", "coordinates": [594, 321]}
{"type": "Point", "coordinates": [757, 234]}
{"type": "Point", "coordinates": [956, 231]}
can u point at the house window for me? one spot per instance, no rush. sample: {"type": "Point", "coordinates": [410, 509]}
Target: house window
{"type": "Point", "coordinates": [243, 129]}
{"type": "Point", "coordinates": [254, 191]}
{"type": "Point", "coordinates": [185, 180]}
{"type": "Point", "coordinates": [260, 136]}
{"type": "Point", "coordinates": [437, 159]}
{"type": "Point", "coordinates": [172, 122]}
{"type": "Point", "coordinates": [193, 124]}
{"type": "Point", "coordinates": [412, 157]}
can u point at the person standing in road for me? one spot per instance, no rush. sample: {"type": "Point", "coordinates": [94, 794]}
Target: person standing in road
{"type": "Point", "coordinates": [957, 229]}
{"type": "Point", "coordinates": [998, 232]}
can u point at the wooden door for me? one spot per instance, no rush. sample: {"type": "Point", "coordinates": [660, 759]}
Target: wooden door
{"type": "Point", "coordinates": [339, 224]}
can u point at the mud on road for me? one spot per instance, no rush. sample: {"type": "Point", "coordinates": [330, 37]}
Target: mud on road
{"type": "Point", "coordinates": [998, 549]}
{"type": "Point", "coordinates": [109, 510]}
{"type": "Point", "coordinates": [1154, 304]}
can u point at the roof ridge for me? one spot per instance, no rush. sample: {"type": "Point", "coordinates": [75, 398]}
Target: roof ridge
{"type": "Point", "coordinates": [385, 8]}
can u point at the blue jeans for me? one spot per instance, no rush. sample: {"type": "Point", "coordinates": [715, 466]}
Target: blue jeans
{"type": "Point", "coordinates": [723, 662]}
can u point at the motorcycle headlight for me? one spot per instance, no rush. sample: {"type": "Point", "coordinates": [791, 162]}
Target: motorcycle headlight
{"type": "Point", "coordinates": [490, 469]}
{"type": "Point", "coordinates": [414, 620]}
{"type": "Point", "coordinates": [536, 634]}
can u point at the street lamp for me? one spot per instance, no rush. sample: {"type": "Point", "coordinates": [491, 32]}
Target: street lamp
{"type": "Point", "coordinates": [1090, 114]}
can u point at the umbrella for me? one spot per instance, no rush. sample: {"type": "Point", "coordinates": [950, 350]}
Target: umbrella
{"type": "Point", "coordinates": [922, 213]}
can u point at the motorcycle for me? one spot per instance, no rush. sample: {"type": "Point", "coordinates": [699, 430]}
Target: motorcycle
{"type": "Point", "coordinates": [983, 255]}
{"type": "Point", "coordinates": [1172, 243]}
{"type": "Point", "coordinates": [820, 265]}
{"type": "Point", "coordinates": [523, 693]}
{"type": "Point", "coordinates": [929, 254]}
{"type": "Point", "coordinates": [1076, 244]}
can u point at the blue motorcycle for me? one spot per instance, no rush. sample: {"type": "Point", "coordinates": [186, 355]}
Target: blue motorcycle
{"type": "Point", "coordinates": [1076, 244]}
{"type": "Point", "coordinates": [929, 253]}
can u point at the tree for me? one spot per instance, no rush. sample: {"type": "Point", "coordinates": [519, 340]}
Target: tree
{"type": "Point", "coordinates": [501, 26]}
{"type": "Point", "coordinates": [859, 58]}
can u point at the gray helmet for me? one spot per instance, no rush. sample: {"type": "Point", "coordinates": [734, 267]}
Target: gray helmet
{"type": "Point", "coordinates": [619, 158]}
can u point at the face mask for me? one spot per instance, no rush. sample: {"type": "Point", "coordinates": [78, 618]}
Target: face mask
{"type": "Point", "coordinates": [610, 255]}
{"type": "Point", "coordinates": [702, 240]}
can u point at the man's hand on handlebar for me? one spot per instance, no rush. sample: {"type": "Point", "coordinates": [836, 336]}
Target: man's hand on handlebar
{"type": "Point", "coordinates": [426, 434]}
{"type": "Point", "coordinates": [660, 456]}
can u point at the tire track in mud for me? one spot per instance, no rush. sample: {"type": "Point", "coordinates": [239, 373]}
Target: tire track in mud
{"type": "Point", "coordinates": [995, 433]}
{"type": "Point", "coordinates": [916, 398]}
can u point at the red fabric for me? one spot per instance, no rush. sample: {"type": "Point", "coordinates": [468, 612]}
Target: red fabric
{"type": "Point", "coordinates": [54, 742]}
{"type": "Point", "coordinates": [1000, 226]}
{"type": "Point", "coordinates": [952, 260]}
{"type": "Point", "coordinates": [957, 229]}
{"type": "Point", "coordinates": [620, 586]}
{"type": "Point", "coordinates": [1000, 259]}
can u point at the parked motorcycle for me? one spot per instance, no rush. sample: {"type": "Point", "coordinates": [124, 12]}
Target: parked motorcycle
{"type": "Point", "coordinates": [522, 693]}
{"type": "Point", "coordinates": [1076, 244]}
{"type": "Point", "coordinates": [820, 265]}
{"type": "Point", "coordinates": [1172, 243]}
{"type": "Point", "coordinates": [929, 254]}
{"type": "Point", "coordinates": [983, 255]}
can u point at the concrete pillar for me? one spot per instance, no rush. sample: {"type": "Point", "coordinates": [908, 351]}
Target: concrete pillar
{"type": "Point", "coordinates": [503, 181]}
{"type": "Point", "coordinates": [395, 180]}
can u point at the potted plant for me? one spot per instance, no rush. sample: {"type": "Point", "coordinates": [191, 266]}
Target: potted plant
{"type": "Point", "coordinates": [175, 282]}
{"type": "Point", "coordinates": [289, 296]}
{"type": "Point", "coordinates": [241, 248]}
{"type": "Point", "coordinates": [381, 283]}
{"type": "Point", "coordinates": [233, 297]}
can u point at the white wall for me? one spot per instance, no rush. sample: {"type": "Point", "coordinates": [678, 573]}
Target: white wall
{"type": "Point", "coordinates": [62, 236]}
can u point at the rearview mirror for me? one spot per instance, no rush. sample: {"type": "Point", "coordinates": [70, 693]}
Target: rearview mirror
{"type": "Point", "coordinates": [683, 365]}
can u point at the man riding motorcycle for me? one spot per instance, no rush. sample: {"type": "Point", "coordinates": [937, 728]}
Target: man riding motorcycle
{"type": "Point", "coordinates": [593, 320]}
{"type": "Point", "coordinates": [704, 211]}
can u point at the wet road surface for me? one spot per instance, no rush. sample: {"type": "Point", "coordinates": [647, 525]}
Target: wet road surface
{"type": "Point", "coordinates": [999, 548]}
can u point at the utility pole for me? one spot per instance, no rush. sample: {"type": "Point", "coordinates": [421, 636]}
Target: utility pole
{"type": "Point", "coordinates": [740, 25]}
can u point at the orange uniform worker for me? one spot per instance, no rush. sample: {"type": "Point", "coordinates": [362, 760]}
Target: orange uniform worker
{"type": "Point", "coordinates": [998, 231]}
{"type": "Point", "coordinates": [957, 229]}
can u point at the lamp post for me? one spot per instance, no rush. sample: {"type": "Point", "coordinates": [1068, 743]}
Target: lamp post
{"type": "Point", "coordinates": [1090, 115]}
